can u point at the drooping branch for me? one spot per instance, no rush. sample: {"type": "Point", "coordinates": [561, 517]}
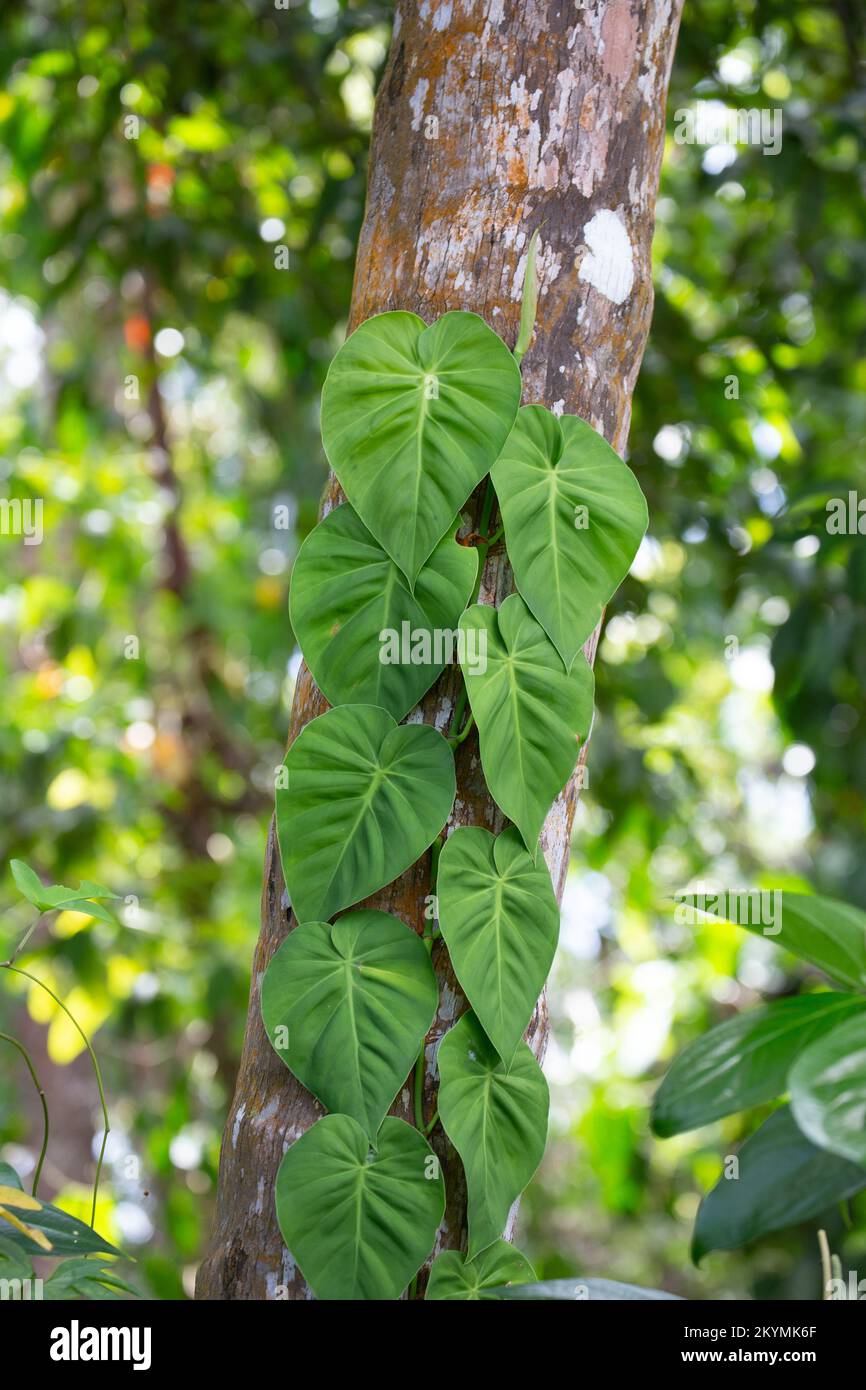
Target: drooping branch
{"type": "Point", "coordinates": [493, 120]}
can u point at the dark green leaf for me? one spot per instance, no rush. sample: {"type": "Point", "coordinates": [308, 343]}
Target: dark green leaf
{"type": "Point", "coordinates": [828, 1090]}
{"type": "Point", "coordinates": [783, 1179]}
{"type": "Point", "coordinates": [744, 1061]}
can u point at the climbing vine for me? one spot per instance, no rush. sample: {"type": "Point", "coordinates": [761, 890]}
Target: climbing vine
{"type": "Point", "coordinates": [414, 419]}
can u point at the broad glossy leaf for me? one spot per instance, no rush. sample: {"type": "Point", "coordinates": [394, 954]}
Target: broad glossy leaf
{"type": "Point", "coordinates": [365, 798]}
{"type": "Point", "coordinates": [347, 592]}
{"type": "Point", "coordinates": [66, 1234]}
{"type": "Point", "coordinates": [347, 1008]}
{"type": "Point", "coordinates": [582, 1291]}
{"type": "Point", "coordinates": [359, 1223]}
{"type": "Point", "coordinates": [455, 1277]}
{"type": "Point", "coordinates": [827, 933]}
{"type": "Point", "coordinates": [412, 419]}
{"type": "Point", "coordinates": [574, 517]}
{"type": "Point", "coordinates": [16, 1207]}
{"type": "Point", "coordinates": [496, 1120]}
{"type": "Point", "coordinates": [828, 1090]}
{"type": "Point", "coordinates": [500, 921]}
{"type": "Point", "coordinates": [531, 714]}
{"type": "Point", "coordinates": [783, 1179]}
{"type": "Point", "coordinates": [744, 1061]}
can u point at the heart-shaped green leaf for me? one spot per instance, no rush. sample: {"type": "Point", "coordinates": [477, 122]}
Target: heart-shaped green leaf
{"type": "Point", "coordinates": [744, 1061]}
{"type": "Point", "coordinates": [496, 1120]}
{"type": "Point", "coordinates": [828, 1090]}
{"type": "Point", "coordinates": [531, 714]}
{"type": "Point", "coordinates": [782, 1179]}
{"type": "Point", "coordinates": [359, 1223]}
{"type": "Point", "coordinates": [347, 1008]}
{"type": "Point", "coordinates": [365, 636]}
{"type": "Point", "coordinates": [412, 419]}
{"type": "Point", "coordinates": [364, 799]}
{"type": "Point", "coordinates": [574, 517]}
{"type": "Point", "coordinates": [456, 1278]}
{"type": "Point", "coordinates": [500, 921]}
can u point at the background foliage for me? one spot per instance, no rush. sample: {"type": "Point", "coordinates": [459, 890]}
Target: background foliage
{"type": "Point", "coordinates": [159, 382]}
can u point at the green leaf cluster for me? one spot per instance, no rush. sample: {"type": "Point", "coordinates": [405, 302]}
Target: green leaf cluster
{"type": "Point", "coordinates": [811, 1151]}
{"type": "Point", "coordinates": [414, 418]}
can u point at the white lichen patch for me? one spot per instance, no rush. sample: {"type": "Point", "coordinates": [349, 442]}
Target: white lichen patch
{"type": "Point", "coordinates": [609, 264]}
{"type": "Point", "coordinates": [438, 16]}
{"type": "Point", "coordinates": [417, 100]}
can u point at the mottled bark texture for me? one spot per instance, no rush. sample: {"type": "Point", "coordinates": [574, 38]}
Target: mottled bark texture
{"type": "Point", "coordinates": [494, 118]}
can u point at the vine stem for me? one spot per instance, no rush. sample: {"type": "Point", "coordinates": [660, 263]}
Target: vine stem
{"type": "Point", "coordinates": [826, 1266]}
{"type": "Point", "coordinates": [43, 1102]}
{"type": "Point", "coordinates": [456, 739]}
{"type": "Point", "coordinates": [16, 970]}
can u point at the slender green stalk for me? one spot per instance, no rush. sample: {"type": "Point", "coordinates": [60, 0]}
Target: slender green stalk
{"type": "Point", "coordinates": [43, 1102]}
{"type": "Point", "coordinates": [25, 938]}
{"type": "Point", "coordinates": [16, 970]}
{"type": "Point", "coordinates": [826, 1267]}
{"type": "Point", "coordinates": [456, 739]}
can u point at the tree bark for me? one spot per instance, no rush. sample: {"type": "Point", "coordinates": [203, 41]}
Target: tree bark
{"type": "Point", "coordinates": [494, 118]}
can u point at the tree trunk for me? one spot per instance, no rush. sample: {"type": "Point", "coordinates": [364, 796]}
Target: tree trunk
{"type": "Point", "coordinates": [494, 117]}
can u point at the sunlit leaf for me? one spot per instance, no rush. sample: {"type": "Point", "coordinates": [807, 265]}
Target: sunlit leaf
{"type": "Point", "coordinates": [574, 517]}
{"type": "Point", "coordinates": [412, 419]}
